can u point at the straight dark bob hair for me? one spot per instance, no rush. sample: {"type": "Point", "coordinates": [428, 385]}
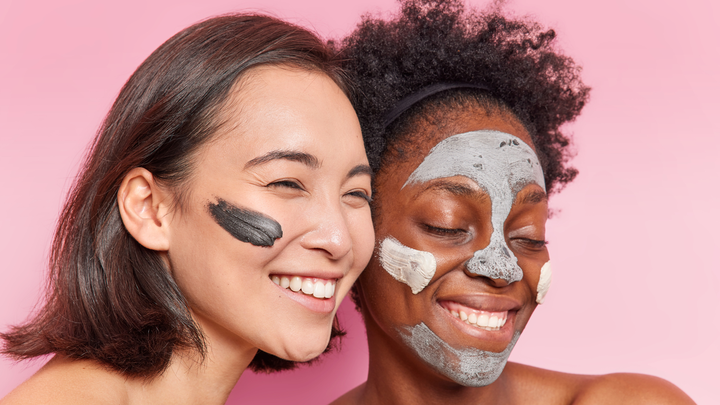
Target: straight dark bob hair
{"type": "Point", "coordinates": [108, 298]}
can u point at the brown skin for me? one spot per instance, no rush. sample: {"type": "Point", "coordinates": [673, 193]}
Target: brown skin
{"type": "Point", "coordinates": [415, 215]}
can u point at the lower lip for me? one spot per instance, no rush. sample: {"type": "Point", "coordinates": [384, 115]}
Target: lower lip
{"type": "Point", "coordinates": [502, 335]}
{"type": "Point", "coordinates": [322, 306]}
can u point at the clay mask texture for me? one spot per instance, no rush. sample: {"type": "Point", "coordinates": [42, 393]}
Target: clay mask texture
{"type": "Point", "coordinates": [244, 224]}
{"type": "Point", "coordinates": [544, 282]}
{"type": "Point", "coordinates": [407, 265]}
{"type": "Point", "coordinates": [470, 367]}
{"type": "Point", "coordinates": [500, 163]}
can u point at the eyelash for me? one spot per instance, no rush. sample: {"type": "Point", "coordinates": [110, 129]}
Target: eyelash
{"type": "Point", "coordinates": [286, 183]}
{"type": "Point", "coordinates": [297, 186]}
{"type": "Point", "coordinates": [361, 194]}
{"type": "Point", "coordinates": [444, 231]}
{"type": "Point", "coordinates": [534, 243]}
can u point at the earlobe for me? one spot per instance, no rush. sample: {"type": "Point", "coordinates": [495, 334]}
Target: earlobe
{"type": "Point", "coordinates": [143, 208]}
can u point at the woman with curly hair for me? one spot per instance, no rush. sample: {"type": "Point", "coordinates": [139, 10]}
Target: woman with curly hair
{"type": "Point", "coordinates": [219, 220]}
{"type": "Point", "coordinates": [462, 116]}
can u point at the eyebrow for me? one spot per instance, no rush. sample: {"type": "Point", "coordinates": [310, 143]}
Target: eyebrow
{"type": "Point", "coordinates": [295, 156]}
{"type": "Point", "coordinates": [454, 188]}
{"type": "Point", "coordinates": [533, 197]}
{"type": "Point", "coordinates": [359, 170]}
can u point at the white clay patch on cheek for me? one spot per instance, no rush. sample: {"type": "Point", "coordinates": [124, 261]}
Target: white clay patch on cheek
{"type": "Point", "coordinates": [407, 265]}
{"type": "Point", "coordinates": [544, 282]}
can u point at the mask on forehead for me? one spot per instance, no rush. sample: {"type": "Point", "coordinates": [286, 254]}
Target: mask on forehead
{"type": "Point", "coordinates": [502, 165]}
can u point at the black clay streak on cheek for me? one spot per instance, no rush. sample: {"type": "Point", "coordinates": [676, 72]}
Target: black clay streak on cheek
{"type": "Point", "coordinates": [245, 225]}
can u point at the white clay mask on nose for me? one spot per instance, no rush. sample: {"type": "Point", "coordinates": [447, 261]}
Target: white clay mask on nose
{"type": "Point", "coordinates": [500, 163]}
{"type": "Point", "coordinates": [544, 282]}
{"type": "Point", "coordinates": [407, 265]}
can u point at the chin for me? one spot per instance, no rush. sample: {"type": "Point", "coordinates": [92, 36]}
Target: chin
{"type": "Point", "coordinates": [303, 354]}
{"type": "Point", "coordinates": [305, 349]}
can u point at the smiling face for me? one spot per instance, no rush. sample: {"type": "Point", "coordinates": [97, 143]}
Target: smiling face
{"type": "Point", "coordinates": [473, 197]}
{"type": "Point", "coordinates": [276, 226]}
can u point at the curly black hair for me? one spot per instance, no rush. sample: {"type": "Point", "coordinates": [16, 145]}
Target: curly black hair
{"type": "Point", "coordinates": [438, 41]}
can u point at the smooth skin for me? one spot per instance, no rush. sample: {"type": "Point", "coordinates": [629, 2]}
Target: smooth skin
{"type": "Point", "coordinates": [450, 218]}
{"type": "Point", "coordinates": [291, 148]}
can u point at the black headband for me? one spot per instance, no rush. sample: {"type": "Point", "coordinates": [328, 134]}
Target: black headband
{"type": "Point", "coordinates": [407, 102]}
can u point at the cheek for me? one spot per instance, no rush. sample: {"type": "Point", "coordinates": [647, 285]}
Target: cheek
{"type": "Point", "coordinates": [544, 283]}
{"type": "Point", "coordinates": [537, 275]}
{"type": "Point", "coordinates": [383, 298]}
{"type": "Point", "coordinates": [412, 267]}
{"type": "Point", "coordinates": [363, 237]}
{"type": "Point", "coordinates": [380, 290]}
{"type": "Point", "coordinates": [245, 224]}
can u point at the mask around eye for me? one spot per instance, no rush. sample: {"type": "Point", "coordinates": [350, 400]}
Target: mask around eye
{"type": "Point", "coordinates": [502, 165]}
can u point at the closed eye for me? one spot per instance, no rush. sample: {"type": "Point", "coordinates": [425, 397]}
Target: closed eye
{"type": "Point", "coordinates": [435, 230]}
{"type": "Point", "coordinates": [360, 194]}
{"type": "Point", "coordinates": [287, 184]}
{"type": "Point", "coordinates": [532, 244]}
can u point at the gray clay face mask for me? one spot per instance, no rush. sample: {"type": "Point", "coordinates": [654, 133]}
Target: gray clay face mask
{"type": "Point", "coordinates": [244, 224]}
{"type": "Point", "coordinates": [466, 366]}
{"type": "Point", "coordinates": [500, 163]}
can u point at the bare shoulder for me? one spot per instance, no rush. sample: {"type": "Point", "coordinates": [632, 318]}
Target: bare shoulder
{"type": "Point", "coordinates": [625, 388]}
{"type": "Point", "coordinates": [533, 385]}
{"type": "Point", "coordinates": [540, 386]}
{"type": "Point", "coordinates": [63, 381]}
{"type": "Point", "coordinates": [351, 397]}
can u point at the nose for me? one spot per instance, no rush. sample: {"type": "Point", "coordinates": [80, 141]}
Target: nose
{"type": "Point", "coordinates": [328, 231]}
{"type": "Point", "coordinates": [494, 282]}
{"type": "Point", "coordinates": [496, 263]}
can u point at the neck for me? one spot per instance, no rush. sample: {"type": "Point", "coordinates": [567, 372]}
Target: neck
{"type": "Point", "coordinates": [190, 379]}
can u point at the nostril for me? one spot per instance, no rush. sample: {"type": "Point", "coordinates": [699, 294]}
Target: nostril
{"type": "Point", "coordinates": [499, 282]}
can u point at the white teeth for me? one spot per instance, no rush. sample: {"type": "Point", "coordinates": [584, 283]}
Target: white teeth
{"type": "Point", "coordinates": [308, 286]}
{"type": "Point", "coordinates": [329, 289]}
{"type": "Point", "coordinates": [481, 320]}
{"type": "Point", "coordinates": [318, 289]}
{"type": "Point", "coordinates": [296, 284]}
{"type": "Point", "coordinates": [472, 318]}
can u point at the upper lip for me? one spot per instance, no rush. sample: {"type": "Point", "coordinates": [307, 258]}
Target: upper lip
{"type": "Point", "coordinates": [484, 302]}
{"type": "Point", "coordinates": [319, 274]}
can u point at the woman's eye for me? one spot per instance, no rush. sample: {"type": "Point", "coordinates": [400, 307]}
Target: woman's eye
{"type": "Point", "coordinates": [360, 194]}
{"type": "Point", "coordinates": [286, 184]}
{"type": "Point", "coordinates": [532, 244]}
{"type": "Point", "coordinates": [444, 231]}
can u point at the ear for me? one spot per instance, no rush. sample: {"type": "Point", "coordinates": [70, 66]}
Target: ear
{"type": "Point", "coordinates": [144, 209]}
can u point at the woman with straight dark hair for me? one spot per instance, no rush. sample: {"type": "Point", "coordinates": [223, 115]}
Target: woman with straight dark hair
{"type": "Point", "coordinates": [217, 223]}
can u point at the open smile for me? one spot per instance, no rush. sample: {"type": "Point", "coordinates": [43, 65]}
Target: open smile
{"type": "Point", "coordinates": [488, 320]}
{"type": "Point", "coordinates": [316, 287]}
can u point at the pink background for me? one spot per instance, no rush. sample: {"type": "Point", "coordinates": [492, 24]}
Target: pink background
{"type": "Point", "coordinates": [632, 243]}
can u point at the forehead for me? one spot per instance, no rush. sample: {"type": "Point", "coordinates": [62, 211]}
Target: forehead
{"type": "Point", "coordinates": [427, 133]}
{"type": "Point", "coordinates": [486, 156]}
